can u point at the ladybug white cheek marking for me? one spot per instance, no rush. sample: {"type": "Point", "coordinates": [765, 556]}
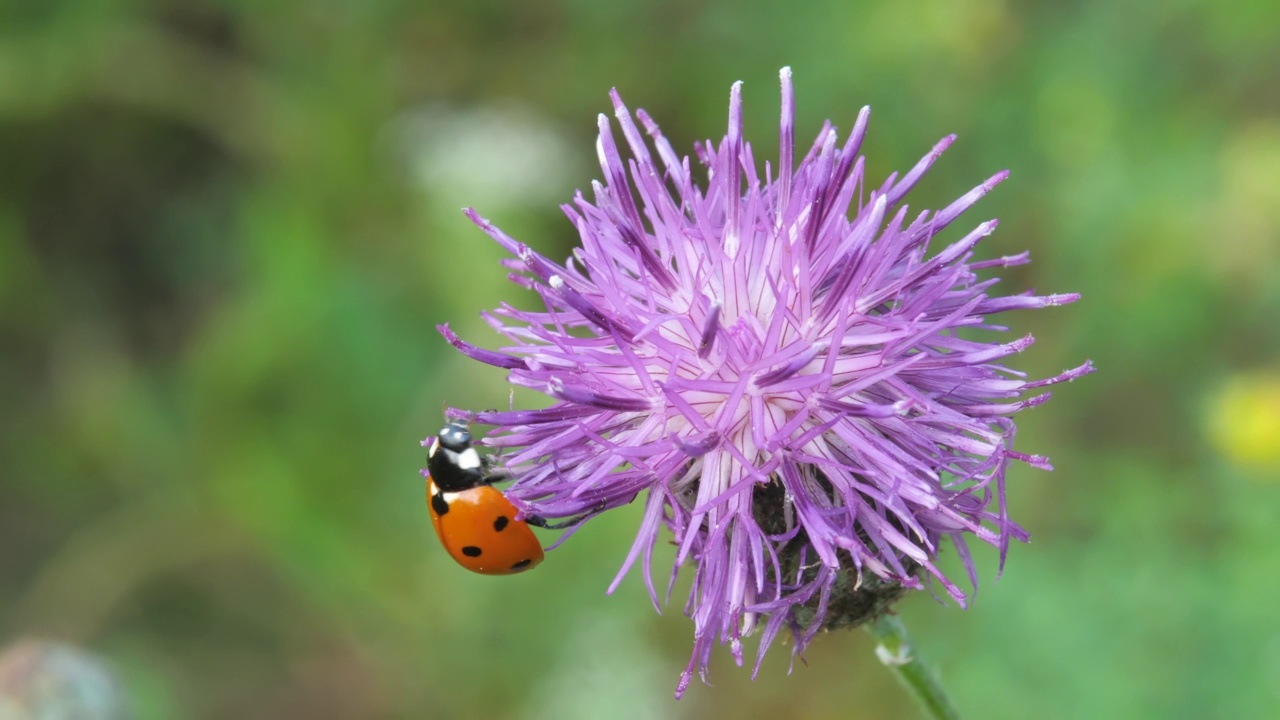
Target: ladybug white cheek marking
{"type": "Point", "coordinates": [469, 459]}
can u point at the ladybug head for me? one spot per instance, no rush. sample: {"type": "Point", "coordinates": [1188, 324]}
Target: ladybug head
{"type": "Point", "coordinates": [453, 464]}
{"type": "Point", "coordinates": [455, 437]}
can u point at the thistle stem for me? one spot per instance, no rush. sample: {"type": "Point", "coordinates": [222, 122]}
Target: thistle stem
{"type": "Point", "coordinates": [896, 653]}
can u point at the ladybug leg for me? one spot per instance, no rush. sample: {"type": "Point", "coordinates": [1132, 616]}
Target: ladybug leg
{"type": "Point", "coordinates": [492, 475]}
{"type": "Point", "coordinates": [539, 521]}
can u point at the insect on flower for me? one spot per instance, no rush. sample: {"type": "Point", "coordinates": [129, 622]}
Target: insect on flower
{"type": "Point", "coordinates": [475, 522]}
{"type": "Point", "coordinates": [773, 364]}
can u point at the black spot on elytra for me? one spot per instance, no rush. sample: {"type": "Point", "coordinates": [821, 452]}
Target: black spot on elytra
{"type": "Point", "coordinates": [501, 523]}
{"type": "Point", "coordinates": [471, 551]}
{"type": "Point", "coordinates": [438, 504]}
{"type": "Point", "coordinates": [522, 564]}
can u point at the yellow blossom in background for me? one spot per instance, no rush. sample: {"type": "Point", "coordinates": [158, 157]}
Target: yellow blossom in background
{"type": "Point", "coordinates": [1244, 420]}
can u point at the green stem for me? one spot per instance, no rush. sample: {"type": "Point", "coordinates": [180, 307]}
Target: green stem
{"type": "Point", "coordinates": [895, 651]}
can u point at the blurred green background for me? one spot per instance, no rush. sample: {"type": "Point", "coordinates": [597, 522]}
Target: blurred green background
{"type": "Point", "coordinates": [228, 229]}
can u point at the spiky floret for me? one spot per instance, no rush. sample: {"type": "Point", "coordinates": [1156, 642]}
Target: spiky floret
{"type": "Point", "coordinates": [775, 368]}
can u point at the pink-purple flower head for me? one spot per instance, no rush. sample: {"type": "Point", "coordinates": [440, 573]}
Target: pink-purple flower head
{"type": "Point", "coordinates": [771, 364]}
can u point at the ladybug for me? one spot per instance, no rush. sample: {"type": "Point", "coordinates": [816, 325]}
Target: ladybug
{"type": "Point", "coordinates": [476, 523]}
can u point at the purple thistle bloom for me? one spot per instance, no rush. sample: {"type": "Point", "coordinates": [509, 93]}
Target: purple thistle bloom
{"type": "Point", "coordinates": [779, 374]}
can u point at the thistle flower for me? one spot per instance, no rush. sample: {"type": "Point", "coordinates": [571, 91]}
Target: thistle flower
{"type": "Point", "coordinates": [774, 371]}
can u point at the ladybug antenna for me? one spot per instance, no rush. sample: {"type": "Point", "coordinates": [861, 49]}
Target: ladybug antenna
{"type": "Point", "coordinates": [456, 416]}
